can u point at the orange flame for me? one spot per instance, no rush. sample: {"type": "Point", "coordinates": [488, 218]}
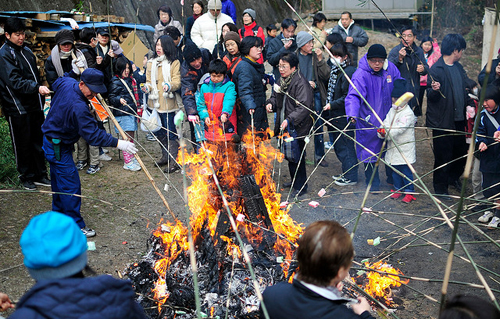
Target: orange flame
{"type": "Point", "coordinates": [379, 283]}
{"type": "Point", "coordinates": [207, 207]}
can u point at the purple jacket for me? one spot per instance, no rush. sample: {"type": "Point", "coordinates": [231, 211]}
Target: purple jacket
{"type": "Point", "coordinates": [229, 8]}
{"type": "Point", "coordinates": [376, 88]}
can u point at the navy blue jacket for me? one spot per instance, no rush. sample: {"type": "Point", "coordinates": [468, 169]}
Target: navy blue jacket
{"type": "Point", "coordinates": [50, 70]}
{"type": "Point", "coordinates": [69, 116]}
{"type": "Point", "coordinates": [19, 80]}
{"type": "Point", "coordinates": [490, 159]}
{"type": "Point", "coordinates": [274, 50]}
{"type": "Point", "coordinates": [93, 297]}
{"type": "Point", "coordinates": [189, 82]}
{"type": "Point", "coordinates": [248, 77]}
{"type": "Point", "coordinates": [117, 91]}
{"type": "Point", "coordinates": [296, 301]}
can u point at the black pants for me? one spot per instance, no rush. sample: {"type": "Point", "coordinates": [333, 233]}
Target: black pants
{"type": "Point", "coordinates": [344, 147]}
{"type": "Point", "coordinates": [27, 139]}
{"type": "Point", "coordinates": [300, 168]}
{"type": "Point", "coordinates": [448, 146]}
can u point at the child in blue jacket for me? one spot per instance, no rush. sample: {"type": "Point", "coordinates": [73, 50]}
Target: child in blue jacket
{"type": "Point", "coordinates": [215, 103]}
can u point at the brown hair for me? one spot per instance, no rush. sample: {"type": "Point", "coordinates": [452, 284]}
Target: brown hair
{"type": "Point", "coordinates": [324, 248]}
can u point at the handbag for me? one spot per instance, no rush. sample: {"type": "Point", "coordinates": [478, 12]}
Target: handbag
{"type": "Point", "coordinates": [150, 121]}
{"type": "Point", "coordinates": [290, 146]}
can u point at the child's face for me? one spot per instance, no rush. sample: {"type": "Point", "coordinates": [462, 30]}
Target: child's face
{"type": "Point", "coordinates": [273, 33]}
{"type": "Point", "coordinates": [216, 77]}
{"type": "Point", "coordinates": [490, 105]}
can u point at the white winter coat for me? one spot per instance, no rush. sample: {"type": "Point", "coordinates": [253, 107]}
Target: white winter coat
{"type": "Point", "coordinates": [205, 32]}
{"type": "Point", "coordinates": [402, 132]}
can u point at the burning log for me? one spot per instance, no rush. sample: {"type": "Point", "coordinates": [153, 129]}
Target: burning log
{"type": "Point", "coordinates": [163, 279]}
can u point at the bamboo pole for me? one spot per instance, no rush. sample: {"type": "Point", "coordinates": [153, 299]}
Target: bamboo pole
{"type": "Point", "coordinates": [432, 18]}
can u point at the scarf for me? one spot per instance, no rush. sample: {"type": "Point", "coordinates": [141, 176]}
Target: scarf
{"type": "Point", "coordinates": [165, 68]}
{"type": "Point", "coordinates": [333, 80]}
{"type": "Point", "coordinates": [134, 90]}
{"type": "Point", "coordinates": [285, 82]}
{"type": "Point", "coordinates": [196, 16]}
{"type": "Point", "coordinates": [56, 56]}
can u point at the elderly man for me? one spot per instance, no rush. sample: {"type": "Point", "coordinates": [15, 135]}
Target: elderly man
{"type": "Point", "coordinates": [208, 27]}
{"type": "Point", "coordinates": [22, 98]}
{"type": "Point", "coordinates": [68, 119]}
{"type": "Point", "coordinates": [374, 80]}
{"type": "Point", "coordinates": [354, 37]}
{"type": "Point", "coordinates": [410, 61]}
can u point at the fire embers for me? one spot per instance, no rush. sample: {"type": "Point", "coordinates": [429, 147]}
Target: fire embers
{"type": "Point", "coordinates": [384, 284]}
{"type": "Point", "coordinates": [164, 280]}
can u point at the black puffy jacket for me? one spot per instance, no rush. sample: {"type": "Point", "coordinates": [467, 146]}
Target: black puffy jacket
{"type": "Point", "coordinates": [248, 77]}
{"type": "Point", "coordinates": [19, 80]}
{"type": "Point", "coordinates": [117, 91]}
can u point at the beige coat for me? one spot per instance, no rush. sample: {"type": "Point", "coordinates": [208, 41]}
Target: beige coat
{"type": "Point", "coordinates": [322, 37]}
{"type": "Point", "coordinates": [166, 104]}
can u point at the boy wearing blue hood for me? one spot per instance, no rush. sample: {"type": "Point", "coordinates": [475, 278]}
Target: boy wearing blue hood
{"type": "Point", "coordinates": [215, 103]}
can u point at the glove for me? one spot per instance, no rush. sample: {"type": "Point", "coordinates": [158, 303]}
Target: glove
{"type": "Point", "coordinates": [80, 64]}
{"type": "Point", "coordinates": [75, 67]}
{"type": "Point", "coordinates": [126, 146]}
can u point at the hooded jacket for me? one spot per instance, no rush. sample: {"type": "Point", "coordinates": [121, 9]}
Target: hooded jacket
{"type": "Point", "coordinates": [102, 297]}
{"type": "Point", "coordinates": [205, 30]}
{"type": "Point", "coordinates": [400, 130]}
{"type": "Point", "coordinates": [19, 80]}
{"type": "Point", "coordinates": [359, 36]}
{"type": "Point", "coordinates": [298, 113]}
{"type": "Point", "coordinates": [376, 88]}
{"type": "Point", "coordinates": [213, 100]}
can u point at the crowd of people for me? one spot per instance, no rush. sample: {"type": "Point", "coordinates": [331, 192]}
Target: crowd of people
{"type": "Point", "coordinates": [215, 72]}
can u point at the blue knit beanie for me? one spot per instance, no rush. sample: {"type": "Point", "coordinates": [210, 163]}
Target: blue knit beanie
{"type": "Point", "coordinates": [53, 246]}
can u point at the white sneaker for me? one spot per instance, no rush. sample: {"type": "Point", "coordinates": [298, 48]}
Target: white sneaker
{"type": "Point", "coordinates": [105, 157]}
{"type": "Point", "coordinates": [345, 182]}
{"type": "Point", "coordinates": [88, 232]}
{"type": "Point", "coordinates": [132, 166]}
{"type": "Point", "coordinates": [336, 177]}
{"type": "Point", "coordinates": [487, 216]}
{"type": "Point", "coordinates": [494, 222]}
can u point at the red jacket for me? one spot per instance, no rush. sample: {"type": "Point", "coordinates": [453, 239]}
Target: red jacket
{"type": "Point", "coordinates": [231, 63]}
{"type": "Point", "coordinates": [253, 30]}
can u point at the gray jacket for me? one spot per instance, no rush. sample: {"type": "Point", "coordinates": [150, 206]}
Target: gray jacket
{"type": "Point", "coordinates": [360, 38]}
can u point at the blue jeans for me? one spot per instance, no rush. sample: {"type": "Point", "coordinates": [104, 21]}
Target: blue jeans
{"type": "Point", "coordinates": [344, 147]}
{"type": "Point", "coordinates": [168, 126]}
{"type": "Point", "coordinates": [64, 179]}
{"type": "Point", "coordinates": [319, 147]}
{"type": "Point", "coordinates": [400, 181]}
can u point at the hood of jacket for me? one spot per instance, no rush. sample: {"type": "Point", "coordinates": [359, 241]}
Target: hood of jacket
{"type": "Point", "coordinates": [341, 26]}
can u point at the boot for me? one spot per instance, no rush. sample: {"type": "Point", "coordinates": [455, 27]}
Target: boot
{"type": "Point", "coordinates": [164, 151]}
{"type": "Point", "coordinates": [173, 146]}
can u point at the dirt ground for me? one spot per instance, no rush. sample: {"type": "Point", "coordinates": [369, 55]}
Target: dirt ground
{"type": "Point", "coordinates": [123, 208]}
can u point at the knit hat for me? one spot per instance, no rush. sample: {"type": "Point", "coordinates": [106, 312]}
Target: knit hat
{"type": "Point", "coordinates": [399, 88]}
{"type": "Point", "coordinates": [115, 46]}
{"type": "Point", "coordinates": [214, 5]}
{"type": "Point", "coordinates": [191, 52]}
{"type": "Point", "coordinates": [231, 35]}
{"type": "Point", "coordinates": [251, 12]}
{"type": "Point", "coordinates": [302, 38]}
{"type": "Point", "coordinates": [53, 246]}
{"type": "Point", "coordinates": [492, 93]}
{"type": "Point", "coordinates": [65, 36]}
{"type": "Point", "coordinates": [376, 51]}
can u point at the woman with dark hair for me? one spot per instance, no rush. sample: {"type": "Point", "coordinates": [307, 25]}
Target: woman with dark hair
{"type": "Point", "coordinates": [220, 48]}
{"type": "Point", "coordinates": [233, 55]}
{"type": "Point", "coordinates": [250, 28]}
{"type": "Point", "coordinates": [318, 30]}
{"type": "Point", "coordinates": [166, 18]}
{"type": "Point", "coordinates": [248, 77]}
{"type": "Point", "coordinates": [432, 53]}
{"type": "Point", "coordinates": [198, 8]}
{"type": "Point", "coordinates": [163, 79]}
{"type": "Point", "coordinates": [338, 87]}
{"type": "Point", "coordinates": [292, 103]}
{"type": "Point", "coordinates": [124, 98]}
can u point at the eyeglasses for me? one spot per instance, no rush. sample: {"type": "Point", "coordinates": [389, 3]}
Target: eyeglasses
{"type": "Point", "coordinates": [407, 36]}
{"type": "Point", "coordinates": [283, 66]}
{"type": "Point", "coordinates": [259, 48]}
{"type": "Point", "coordinates": [375, 61]}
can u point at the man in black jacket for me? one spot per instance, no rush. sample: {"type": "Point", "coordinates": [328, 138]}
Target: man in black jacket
{"type": "Point", "coordinates": [22, 99]}
{"type": "Point", "coordinates": [410, 61]}
{"type": "Point", "coordinates": [446, 101]}
{"type": "Point", "coordinates": [283, 43]}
